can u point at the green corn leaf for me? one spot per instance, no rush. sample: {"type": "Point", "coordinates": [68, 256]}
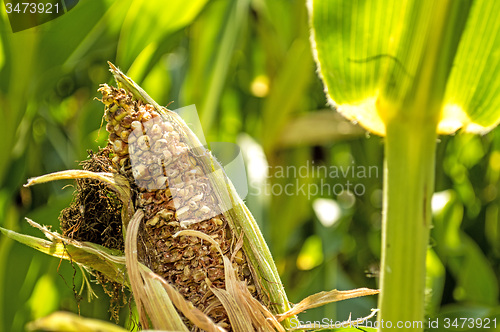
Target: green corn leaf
{"type": "Point", "coordinates": [374, 56]}
{"type": "Point", "coordinates": [109, 262]}
{"type": "Point", "coordinates": [146, 25]}
{"type": "Point", "coordinates": [69, 322]}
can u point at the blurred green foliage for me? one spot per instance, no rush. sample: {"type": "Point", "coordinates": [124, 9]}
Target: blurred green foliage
{"type": "Point", "coordinates": [248, 68]}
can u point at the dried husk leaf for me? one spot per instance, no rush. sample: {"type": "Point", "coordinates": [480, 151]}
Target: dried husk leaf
{"type": "Point", "coordinates": [197, 317]}
{"type": "Point", "coordinates": [116, 182]}
{"type": "Point", "coordinates": [149, 295]}
{"type": "Point", "coordinates": [322, 298]}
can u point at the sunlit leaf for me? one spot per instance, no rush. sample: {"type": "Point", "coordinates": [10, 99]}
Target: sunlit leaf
{"type": "Point", "coordinates": [212, 53]}
{"type": "Point", "coordinates": [376, 55]}
{"type": "Point", "coordinates": [149, 22]}
{"type": "Point", "coordinates": [44, 298]}
{"type": "Point", "coordinates": [434, 280]}
{"type": "Point", "coordinates": [311, 254]}
{"type": "Point", "coordinates": [69, 322]}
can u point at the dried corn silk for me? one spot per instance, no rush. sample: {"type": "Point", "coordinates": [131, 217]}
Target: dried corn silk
{"type": "Point", "coordinates": [175, 192]}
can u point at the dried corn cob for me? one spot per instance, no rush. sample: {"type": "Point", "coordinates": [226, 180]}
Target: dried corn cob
{"type": "Point", "coordinates": [175, 193]}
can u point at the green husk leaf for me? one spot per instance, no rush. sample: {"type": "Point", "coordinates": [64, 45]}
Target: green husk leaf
{"type": "Point", "coordinates": [472, 98]}
{"type": "Point", "coordinates": [90, 255]}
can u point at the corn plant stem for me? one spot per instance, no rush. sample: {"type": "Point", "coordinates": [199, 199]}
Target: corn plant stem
{"type": "Point", "coordinates": [408, 185]}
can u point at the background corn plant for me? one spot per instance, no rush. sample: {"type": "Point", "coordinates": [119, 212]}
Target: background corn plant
{"type": "Point", "coordinates": [409, 71]}
{"type": "Point", "coordinates": [248, 67]}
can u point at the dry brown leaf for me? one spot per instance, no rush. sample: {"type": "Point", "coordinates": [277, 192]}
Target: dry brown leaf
{"type": "Point", "coordinates": [322, 298]}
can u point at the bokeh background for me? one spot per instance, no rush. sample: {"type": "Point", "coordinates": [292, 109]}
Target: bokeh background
{"type": "Point", "coordinates": [247, 65]}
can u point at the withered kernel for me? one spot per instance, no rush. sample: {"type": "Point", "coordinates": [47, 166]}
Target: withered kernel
{"type": "Point", "coordinates": [166, 214]}
{"type": "Point", "coordinates": [124, 135]}
{"type": "Point", "coordinates": [167, 156]}
{"type": "Point", "coordinates": [174, 136]}
{"type": "Point", "coordinates": [139, 171]}
{"type": "Point", "coordinates": [198, 275]}
{"type": "Point", "coordinates": [217, 221]}
{"type": "Point", "coordinates": [153, 221]}
{"type": "Point", "coordinates": [172, 173]}
{"type": "Point", "coordinates": [160, 145]}
{"type": "Point", "coordinates": [238, 258]}
{"type": "Point", "coordinates": [197, 198]}
{"type": "Point", "coordinates": [188, 222]}
{"type": "Point", "coordinates": [143, 142]}
{"type": "Point", "coordinates": [109, 128]}
{"type": "Point", "coordinates": [206, 210]}
{"type": "Point", "coordinates": [160, 182]}
{"type": "Point", "coordinates": [120, 114]}
{"type": "Point", "coordinates": [118, 145]}
{"type": "Point", "coordinates": [136, 125]}
{"type": "Point", "coordinates": [188, 252]}
{"type": "Point", "coordinates": [167, 126]}
{"type": "Point", "coordinates": [146, 117]}
{"type": "Point", "coordinates": [127, 121]}
{"type": "Point", "coordinates": [251, 289]}
{"type": "Point", "coordinates": [155, 132]}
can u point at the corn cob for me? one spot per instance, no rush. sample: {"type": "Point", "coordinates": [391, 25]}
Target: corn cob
{"type": "Point", "coordinates": [174, 191]}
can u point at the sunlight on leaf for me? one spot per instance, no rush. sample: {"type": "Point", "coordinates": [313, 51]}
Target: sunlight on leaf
{"type": "Point", "coordinates": [149, 22]}
{"type": "Point", "coordinates": [372, 52]}
{"type": "Point", "coordinates": [311, 254]}
{"type": "Point", "coordinates": [69, 322]}
{"type": "Point", "coordinates": [44, 298]}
